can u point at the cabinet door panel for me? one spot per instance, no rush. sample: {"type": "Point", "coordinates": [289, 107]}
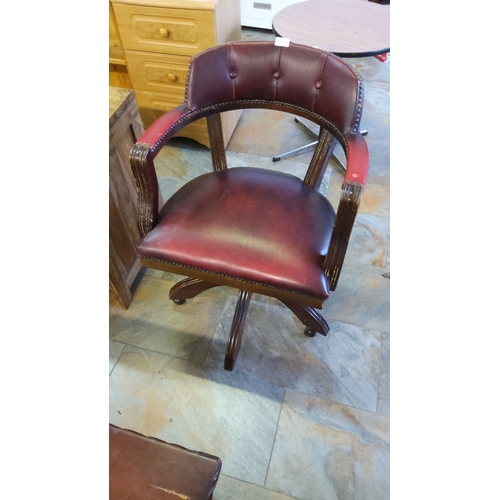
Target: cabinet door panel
{"type": "Point", "coordinates": [158, 72]}
{"type": "Point", "coordinates": [170, 31]}
{"type": "Point", "coordinates": [153, 105]}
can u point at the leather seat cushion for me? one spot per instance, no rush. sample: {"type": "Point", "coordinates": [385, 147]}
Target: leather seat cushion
{"type": "Point", "coordinates": [247, 223]}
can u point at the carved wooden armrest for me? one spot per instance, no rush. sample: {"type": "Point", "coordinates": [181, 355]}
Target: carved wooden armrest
{"type": "Point", "coordinates": [352, 187]}
{"type": "Point", "coordinates": [141, 160]}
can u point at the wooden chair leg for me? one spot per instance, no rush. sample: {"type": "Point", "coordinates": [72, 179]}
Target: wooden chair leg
{"type": "Point", "coordinates": [309, 317]}
{"type": "Point", "coordinates": [236, 334]}
{"type": "Point", "coordinates": [188, 288]}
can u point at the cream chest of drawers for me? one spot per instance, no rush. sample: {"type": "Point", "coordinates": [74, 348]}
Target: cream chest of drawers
{"type": "Point", "coordinates": [158, 39]}
{"type": "Point", "coordinates": [118, 74]}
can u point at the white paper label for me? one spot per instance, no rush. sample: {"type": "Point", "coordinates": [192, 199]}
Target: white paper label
{"type": "Point", "coordinates": [282, 42]}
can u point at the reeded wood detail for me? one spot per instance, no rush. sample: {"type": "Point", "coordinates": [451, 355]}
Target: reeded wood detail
{"type": "Point", "coordinates": [309, 317]}
{"type": "Point", "coordinates": [320, 159]}
{"type": "Point", "coordinates": [216, 136]}
{"type": "Point", "coordinates": [147, 185]}
{"type": "Point", "coordinates": [236, 334]}
{"type": "Point", "coordinates": [189, 288]}
{"type": "Point", "coordinates": [344, 222]}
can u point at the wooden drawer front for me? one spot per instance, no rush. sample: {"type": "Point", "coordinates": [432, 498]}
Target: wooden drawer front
{"type": "Point", "coordinates": [158, 104]}
{"type": "Point", "coordinates": [153, 105]}
{"type": "Point", "coordinates": [171, 31]}
{"type": "Point", "coordinates": [158, 72]}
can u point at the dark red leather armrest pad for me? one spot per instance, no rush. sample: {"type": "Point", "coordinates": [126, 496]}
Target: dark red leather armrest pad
{"type": "Point", "coordinates": [357, 160]}
{"type": "Point", "coordinates": [162, 125]}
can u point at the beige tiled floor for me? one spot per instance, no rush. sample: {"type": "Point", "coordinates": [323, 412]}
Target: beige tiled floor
{"type": "Point", "coordinates": [299, 418]}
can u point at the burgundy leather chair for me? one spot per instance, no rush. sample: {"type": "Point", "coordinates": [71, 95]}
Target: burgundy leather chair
{"type": "Point", "coordinates": [257, 230]}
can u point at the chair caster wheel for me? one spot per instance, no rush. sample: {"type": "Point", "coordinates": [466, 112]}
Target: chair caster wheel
{"type": "Point", "coordinates": [179, 301]}
{"type": "Point", "coordinates": [310, 332]}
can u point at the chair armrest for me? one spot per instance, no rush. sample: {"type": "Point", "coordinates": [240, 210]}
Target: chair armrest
{"type": "Point", "coordinates": [161, 131]}
{"type": "Point", "coordinates": [358, 160]}
{"type": "Point", "coordinates": [352, 187]}
{"type": "Point", "coordinates": [141, 160]}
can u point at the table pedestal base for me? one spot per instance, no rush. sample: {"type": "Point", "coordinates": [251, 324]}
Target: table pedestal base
{"type": "Point", "coordinates": [310, 146]}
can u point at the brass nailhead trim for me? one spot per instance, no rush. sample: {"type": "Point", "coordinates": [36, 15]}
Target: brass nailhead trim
{"type": "Point", "coordinates": [231, 277]}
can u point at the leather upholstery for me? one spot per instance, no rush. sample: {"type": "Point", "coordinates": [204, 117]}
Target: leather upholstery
{"type": "Point", "coordinates": [258, 230]}
{"type": "Point", "coordinates": [296, 75]}
{"type": "Point", "coordinates": [250, 224]}
{"type": "Point", "coordinates": [302, 80]}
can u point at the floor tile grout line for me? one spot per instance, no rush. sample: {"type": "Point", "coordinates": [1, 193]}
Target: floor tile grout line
{"type": "Point", "coordinates": [202, 365]}
{"type": "Point", "coordinates": [258, 486]}
{"type": "Point", "coordinates": [275, 437]}
{"type": "Point", "coordinates": [119, 356]}
{"type": "Point", "coordinates": [353, 266]}
{"type": "Point", "coordinates": [379, 377]}
{"type": "Point", "coordinates": [253, 377]}
{"type": "Point", "coordinates": [223, 308]}
{"type": "Point", "coordinates": [250, 377]}
{"type": "Point", "coordinates": [379, 372]}
{"type": "Point", "coordinates": [329, 320]}
{"type": "Point", "coordinates": [337, 402]}
{"type": "Point", "coordinates": [127, 344]}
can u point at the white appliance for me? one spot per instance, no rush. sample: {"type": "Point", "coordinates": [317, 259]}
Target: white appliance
{"type": "Point", "coordinates": [259, 14]}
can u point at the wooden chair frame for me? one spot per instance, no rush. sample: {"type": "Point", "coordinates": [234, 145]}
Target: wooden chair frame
{"type": "Point", "coordinates": [357, 159]}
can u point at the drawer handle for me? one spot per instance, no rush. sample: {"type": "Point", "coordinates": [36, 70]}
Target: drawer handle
{"type": "Point", "coordinates": [163, 33]}
{"type": "Point", "coordinates": [172, 77]}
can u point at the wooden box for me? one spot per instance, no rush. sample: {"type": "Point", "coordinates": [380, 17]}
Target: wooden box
{"type": "Point", "coordinates": [125, 127]}
{"type": "Point", "coordinates": [146, 468]}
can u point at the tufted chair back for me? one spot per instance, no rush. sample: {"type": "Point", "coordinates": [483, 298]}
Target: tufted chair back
{"type": "Point", "coordinates": [295, 78]}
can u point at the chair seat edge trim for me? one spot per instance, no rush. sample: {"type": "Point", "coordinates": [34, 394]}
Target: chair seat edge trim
{"type": "Point", "coordinates": [227, 280]}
